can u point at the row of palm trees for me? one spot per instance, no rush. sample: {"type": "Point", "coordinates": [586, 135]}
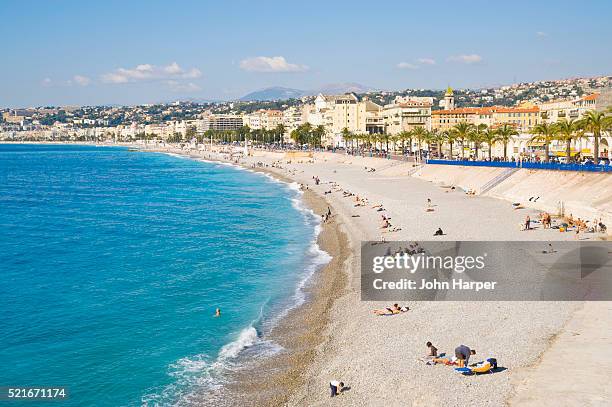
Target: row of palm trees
{"type": "Point", "coordinates": [464, 134]}
{"type": "Point", "coordinates": [593, 124]}
{"type": "Point", "coordinates": [256, 136]}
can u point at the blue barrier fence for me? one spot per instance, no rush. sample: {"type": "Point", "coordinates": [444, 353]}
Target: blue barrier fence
{"type": "Point", "coordinates": [529, 165]}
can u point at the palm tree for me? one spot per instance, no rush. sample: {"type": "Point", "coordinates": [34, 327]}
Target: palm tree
{"type": "Point", "coordinates": [438, 137]}
{"type": "Point", "coordinates": [346, 136]}
{"type": "Point", "coordinates": [419, 133]}
{"type": "Point", "coordinates": [596, 123]}
{"type": "Point", "coordinates": [477, 137]}
{"type": "Point", "coordinates": [567, 131]}
{"type": "Point", "coordinates": [403, 136]}
{"type": "Point", "coordinates": [385, 137]}
{"type": "Point", "coordinates": [545, 133]}
{"type": "Point", "coordinates": [280, 130]}
{"type": "Point", "coordinates": [505, 134]}
{"type": "Point", "coordinates": [317, 135]}
{"type": "Point", "coordinates": [462, 131]}
{"type": "Point", "coordinates": [450, 139]}
{"type": "Point", "coordinates": [489, 136]}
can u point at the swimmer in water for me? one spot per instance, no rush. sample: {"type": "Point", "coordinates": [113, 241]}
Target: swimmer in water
{"type": "Point", "coordinates": [217, 312]}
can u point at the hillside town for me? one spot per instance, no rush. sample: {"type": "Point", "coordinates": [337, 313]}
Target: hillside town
{"type": "Point", "coordinates": [501, 122]}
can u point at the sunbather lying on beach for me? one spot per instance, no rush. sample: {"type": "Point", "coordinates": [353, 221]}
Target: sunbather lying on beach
{"type": "Point", "coordinates": [396, 309]}
{"type": "Point", "coordinates": [446, 361]}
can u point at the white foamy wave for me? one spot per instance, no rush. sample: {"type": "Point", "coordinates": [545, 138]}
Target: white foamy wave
{"type": "Point", "coordinates": [198, 373]}
{"type": "Point", "coordinates": [176, 155]}
{"type": "Point", "coordinates": [295, 187]}
{"type": "Point", "coordinates": [246, 338]}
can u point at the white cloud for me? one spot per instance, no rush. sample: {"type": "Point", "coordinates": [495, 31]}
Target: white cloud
{"type": "Point", "coordinates": [46, 82]}
{"type": "Point", "coordinates": [81, 80]}
{"type": "Point", "coordinates": [466, 59]}
{"type": "Point", "coordinates": [270, 64]}
{"type": "Point", "coordinates": [407, 65]}
{"type": "Point", "coordinates": [177, 86]}
{"type": "Point", "coordinates": [426, 61]}
{"type": "Point", "coordinates": [541, 34]}
{"type": "Point", "coordinates": [148, 72]}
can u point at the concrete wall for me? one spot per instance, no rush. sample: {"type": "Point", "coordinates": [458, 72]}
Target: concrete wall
{"type": "Point", "coordinates": [582, 194]}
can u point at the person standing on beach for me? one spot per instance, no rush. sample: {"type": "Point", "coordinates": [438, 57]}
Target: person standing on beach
{"type": "Point", "coordinates": [527, 223]}
{"type": "Point", "coordinates": [463, 353]}
{"type": "Point", "coordinates": [336, 387]}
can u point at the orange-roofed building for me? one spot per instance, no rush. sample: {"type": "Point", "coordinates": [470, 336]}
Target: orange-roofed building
{"type": "Point", "coordinates": [523, 118]}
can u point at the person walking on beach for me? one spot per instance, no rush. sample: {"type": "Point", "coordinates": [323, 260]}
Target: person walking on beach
{"type": "Point", "coordinates": [463, 353]}
{"type": "Point", "coordinates": [336, 388]}
{"type": "Point", "coordinates": [527, 223]}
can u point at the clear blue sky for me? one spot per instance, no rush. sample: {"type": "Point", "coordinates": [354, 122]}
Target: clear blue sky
{"type": "Point", "coordinates": [127, 52]}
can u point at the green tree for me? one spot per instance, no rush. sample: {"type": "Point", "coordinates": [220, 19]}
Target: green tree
{"type": "Point", "coordinates": [505, 134]}
{"type": "Point", "coordinates": [568, 131]}
{"type": "Point", "coordinates": [403, 137]}
{"type": "Point", "coordinates": [489, 137]}
{"type": "Point", "coordinates": [317, 135]}
{"type": "Point", "coordinates": [595, 123]}
{"type": "Point", "coordinates": [420, 134]}
{"type": "Point", "coordinates": [545, 133]}
{"type": "Point", "coordinates": [190, 133]}
{"type": "Point", "coordinates": [280, 130]}
{"type": "Point", "coordinates": [462, 132]}
{"type": "Point", "coordinates": [437, 137]}
{"type": "Point", "coordinates": [450, 139]}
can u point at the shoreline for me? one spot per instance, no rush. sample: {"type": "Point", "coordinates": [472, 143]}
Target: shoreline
{"type": "Point", "coordinates": [304, 328]}
{"type": "Point", "coordinates": [334, 336]}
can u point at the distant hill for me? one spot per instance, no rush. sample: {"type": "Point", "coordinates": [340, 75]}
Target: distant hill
{"type": "Point", "coordinates": [280, 93]}
{"type": "Point", "coordinates": [274, 93]}
{"type": "Point", "coordinates": [340, 88]}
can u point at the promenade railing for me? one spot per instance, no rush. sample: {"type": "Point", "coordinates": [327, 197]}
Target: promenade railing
{"type": "Point", "coordinates": [527, 165]}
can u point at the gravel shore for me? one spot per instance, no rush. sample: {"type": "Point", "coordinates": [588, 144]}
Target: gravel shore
{"type": "Point", "coordinates": [379, 358]}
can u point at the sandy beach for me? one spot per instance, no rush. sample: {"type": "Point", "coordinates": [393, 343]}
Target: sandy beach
{"type": "Point", "coordinates": [379, 359]}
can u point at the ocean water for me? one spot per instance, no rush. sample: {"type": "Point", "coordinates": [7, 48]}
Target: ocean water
{"type": "Point", "coordinates": [113, 262]}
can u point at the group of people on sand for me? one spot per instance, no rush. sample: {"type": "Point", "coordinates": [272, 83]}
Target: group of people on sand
{"type": "Point", "coordinates": [577, 224]}
{"type": "Point", "coordinates": [461, 358]}
{"type": "Point", "coordinates": [326, 216]}
{"type": "Point", "coordinates": [386, 225]}
{"type": "Point", "coordinates": [586, 226]}
{"type": "Point", "coordinates": [360, 201]}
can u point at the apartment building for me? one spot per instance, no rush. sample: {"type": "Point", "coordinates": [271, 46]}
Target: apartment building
{"type": "Point", "coordinates": [523, 118]}
{"type": "Point", "coordinates": [292, 118]}
{"type": "Point", "coordinates": [263, 119]}
{"type": "Point", "coordinates": [405, 114]}
{"type": "Point", "coordinates": [224, 122]}
{"type": "Point", "coordinates": [568, 109]}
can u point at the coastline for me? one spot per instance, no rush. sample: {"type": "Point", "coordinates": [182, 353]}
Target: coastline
{"type": "Point", "coordinates": [304, 329]}
{"type": "Point", "coordinates": [333, 335]}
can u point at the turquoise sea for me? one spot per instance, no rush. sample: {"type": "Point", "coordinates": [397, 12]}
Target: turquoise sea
{"type": "Point", "coordinates": [113, 263]}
